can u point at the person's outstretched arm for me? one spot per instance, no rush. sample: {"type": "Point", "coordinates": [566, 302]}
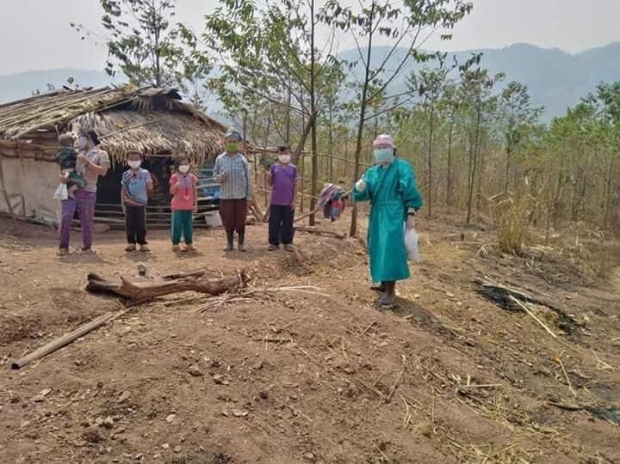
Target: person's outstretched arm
{"type": "Point", "coordinates": [362, 189]}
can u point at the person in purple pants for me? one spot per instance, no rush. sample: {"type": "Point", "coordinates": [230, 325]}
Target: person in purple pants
{"type": "Point", "coordinates": [92, 163]}
{"type": "Point", "coordinates": [282, 178]}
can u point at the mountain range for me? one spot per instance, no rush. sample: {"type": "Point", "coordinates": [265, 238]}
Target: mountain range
{"type": "Point", "coordinates": [556, 79]}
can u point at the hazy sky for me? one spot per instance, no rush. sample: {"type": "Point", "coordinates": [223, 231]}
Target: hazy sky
{"type": "Point", "coordinates": [35, 34]}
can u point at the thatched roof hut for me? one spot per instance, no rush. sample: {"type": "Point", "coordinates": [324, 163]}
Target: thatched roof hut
{"type": "Point", "coordinates": [153, 121]}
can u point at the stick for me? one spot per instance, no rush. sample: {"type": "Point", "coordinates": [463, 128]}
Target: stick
{"type": "Point", "coordinates": [274, 340]}
{"type": "Point", "coordinates": [567, 407]}
{"type": "Point", "coordinates": [316, 230]}
{"type": "Point", "coordinates": [570, 385]}
{"type": "Point", "coordinates": [183, 275]}
{"type": "Point", "coordinates": [491, 385]}
{"type": "Point", "coordinates": [65, 340]}
{"type": "Point", "coordinates": [533, 316]}
{"type": "Point", "coordinates": [395, 386]}
{"type": "Point", "coordinates": [304, 216]}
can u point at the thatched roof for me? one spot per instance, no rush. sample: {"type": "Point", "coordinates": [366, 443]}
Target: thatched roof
{"type": "Point", "coordinates": [151, 120]}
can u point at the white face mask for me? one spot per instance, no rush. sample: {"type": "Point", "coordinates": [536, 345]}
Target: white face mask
{"type": "Point", "coordinates": [81, 143]}
{"type": "Point", "coordinates": [284, 159]}
{"type": "Point", "coordinates": [184, 168]}
{"type": "Point", "coordinates": [134, 164]}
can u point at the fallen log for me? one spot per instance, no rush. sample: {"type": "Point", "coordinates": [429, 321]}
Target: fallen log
{"type": "Point", "coordinates": [58, 343]}
{"type": "Point", "coordinates": [137, 293]}
{"type": "Point", "coordinates": [316, 230]}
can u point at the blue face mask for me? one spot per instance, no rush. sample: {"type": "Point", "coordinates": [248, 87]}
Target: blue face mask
{"type": "Point", "coordinates": [383, 155]}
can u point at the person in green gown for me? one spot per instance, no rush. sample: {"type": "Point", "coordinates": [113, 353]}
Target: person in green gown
{"type": "Point", "coordinates": [390, 187]}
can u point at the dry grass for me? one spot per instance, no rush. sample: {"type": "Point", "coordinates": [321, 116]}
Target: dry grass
{"type": "Point", "coordinates": [509, 215]}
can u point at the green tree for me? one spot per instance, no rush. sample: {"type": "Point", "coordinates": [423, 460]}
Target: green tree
{"type": "Point", "coordinates": [270, 52]}
{"type": "Point", "coordinates": [146, 46]}
{"type": "Point", "coordinates": [407, 23]}
{"type": "Point", "coordinates": [476, 92]}
{"type": "Point", "coordinates": [516, 116]}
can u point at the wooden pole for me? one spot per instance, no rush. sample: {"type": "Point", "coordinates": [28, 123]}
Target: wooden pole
{"type": "Point", "coordinates": [5, 193]}
{"type": "Point", "coordinates": [66, 339]}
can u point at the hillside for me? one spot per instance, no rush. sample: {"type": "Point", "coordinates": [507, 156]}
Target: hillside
{"type": "Point", "coordinates": [306, 375]}
{"type": "Point", "coordinates": [556, 79]}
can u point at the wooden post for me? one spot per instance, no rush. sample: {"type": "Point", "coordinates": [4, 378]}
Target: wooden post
{"type": "Point", "coordinates": [55, 345]}
{"type": "Point", "coordinates": [7, 199]}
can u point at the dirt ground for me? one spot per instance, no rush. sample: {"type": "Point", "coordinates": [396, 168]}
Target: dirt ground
{"type": "Point", "coordinates": [292, 377]}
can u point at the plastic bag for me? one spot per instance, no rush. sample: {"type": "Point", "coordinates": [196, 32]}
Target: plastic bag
{"type": "Point", "coordinates": [62, 193]}
{"type": "Point", "coordinates": [411, 244]}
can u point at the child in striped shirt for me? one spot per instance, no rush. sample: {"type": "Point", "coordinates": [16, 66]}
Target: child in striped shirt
{"type": "Point", "coordinates": [232, 172]}
{"type": "Point", "coordinates": [136, 185]}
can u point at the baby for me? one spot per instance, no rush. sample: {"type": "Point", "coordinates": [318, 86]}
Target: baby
{"type": "Point", "coordinates": [66, 157]}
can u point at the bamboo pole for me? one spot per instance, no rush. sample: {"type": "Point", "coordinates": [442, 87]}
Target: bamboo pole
{"type": "Point", "coordinates": [541, 323]}
{"type": "Point", "coordinates": [66, 339]}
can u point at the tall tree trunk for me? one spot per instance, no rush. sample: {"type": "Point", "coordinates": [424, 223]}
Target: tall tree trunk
{"type": "Point", "coordinates": [360, 128]}
{"type": "Point", "coordinates": [288, 115]}
{"type": "Point", "coordinates": [429, 200]}
{"type": "Point", "coordinates": [315, 167]}
{"type": "Point", "coordinates": [480, 176]}
{"type": "Point", "coordinates": [508, 160]}
{"type": "Point", "coordinates": [330, 143]}
{"type": "Point", "coordinates": [473, 161]}
{"type": "Point", "coordinates": [449, 186]}
{"type": "Point", "coordinates": [608, 190]}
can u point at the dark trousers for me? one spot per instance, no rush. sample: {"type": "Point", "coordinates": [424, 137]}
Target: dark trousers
{"type": "Point", "coordinates": [234, 214]}
{"type": "Point", "coordinates": [281, 225]}
{"type": "Point", "coordinates": [135, 224]}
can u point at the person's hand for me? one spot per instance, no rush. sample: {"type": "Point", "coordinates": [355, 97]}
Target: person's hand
{"type": "Point", "coordinates": [292, 206]}
{"type": "Point", "coordinates": [63, 178]}
{"type": "Point", "coordinates": [269, 175]}
{"type": "Point", "coordinates": [195, 208]}
{"type": "Point", "coordinates": [249, 201]}
{"type": "Point", "coordinates": [410, 222]}
{"type": "Point", "coordinates": [83, 159]}
{"type": "Point", "coordinates": [124, 208]}
{"type": "Point", "coordinates": [360, 185]}
{"type": "Point", "coordinates": [223, 177]}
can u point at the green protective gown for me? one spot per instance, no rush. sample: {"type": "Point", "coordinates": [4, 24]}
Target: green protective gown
{"type": "Point", "coordinates": [391, 191]}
